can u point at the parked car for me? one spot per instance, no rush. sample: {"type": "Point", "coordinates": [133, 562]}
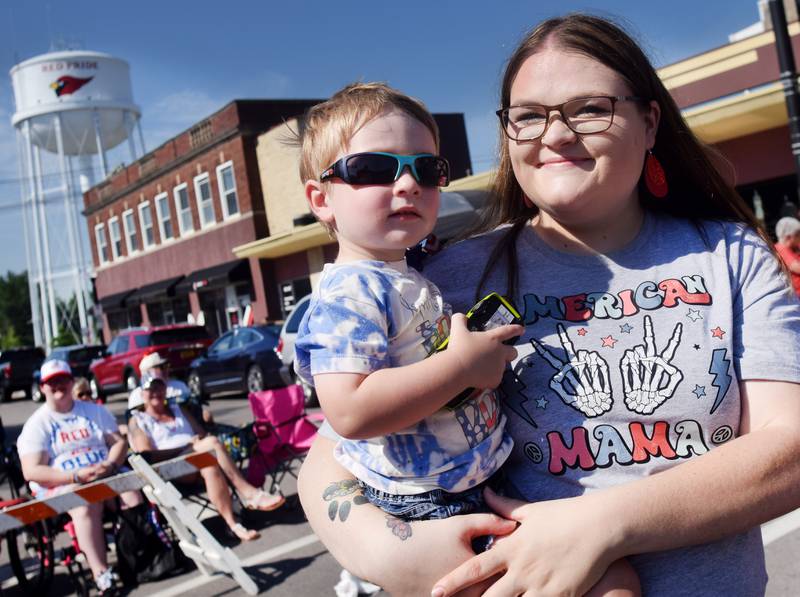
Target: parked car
{"type": "Point", "coordinates": [242, 360]}
{"type": "Point", "coordinates": [78, 356]}
{"type": "Point", "coordinates": [119, 371]}
{"type": "Point", "coordinates": [17, 366]}
{"type": "Point", "coordinates": [285, 349]}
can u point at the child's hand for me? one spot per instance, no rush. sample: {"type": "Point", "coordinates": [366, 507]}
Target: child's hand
{"type": "Point", "coordinates": [482, 355]}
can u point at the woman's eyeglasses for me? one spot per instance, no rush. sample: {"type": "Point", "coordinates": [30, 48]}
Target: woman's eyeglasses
{"type": "Point", "coordinates": [377, 167]}
{"type": "Point", "coordinates": [86, 394]}
{"type": "Point", "coordinates": [583, 115]}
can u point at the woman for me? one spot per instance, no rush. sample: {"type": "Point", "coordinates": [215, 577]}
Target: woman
{"type": "Point", "coordinates": [654, 403]}
{"type": "Point", "coordinates": [67, 442]}
{"type": "Point", "coordinates": [81, 390]}
{"type": "Point", "coordinates": [163, 427]}
{"type": "Point", "coordinates": [788, 247]}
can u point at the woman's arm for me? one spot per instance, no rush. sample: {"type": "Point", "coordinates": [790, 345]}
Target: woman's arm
{"type": "Point", "coordinates": [404, 558]}
{"type": "Point", "coordinates": [565, 545]}
{"type": "Point", "coordinates": [140, 441]}
{"type": "Point", "coordinates": [198, 429]}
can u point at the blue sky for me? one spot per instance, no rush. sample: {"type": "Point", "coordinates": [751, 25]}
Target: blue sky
{"type": "Point", "coordinates": [189, 58]}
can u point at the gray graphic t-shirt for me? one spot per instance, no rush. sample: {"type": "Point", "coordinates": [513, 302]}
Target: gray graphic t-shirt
{"type": "Point", "coordinates": [630, 365]}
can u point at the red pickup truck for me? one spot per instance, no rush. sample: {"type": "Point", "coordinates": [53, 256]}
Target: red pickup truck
{"type": "Point", "coordinates": [118, 371]}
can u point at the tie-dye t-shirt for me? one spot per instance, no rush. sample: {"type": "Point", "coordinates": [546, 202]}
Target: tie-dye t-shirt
{"type": "Point", "coordinates": [369, 315]}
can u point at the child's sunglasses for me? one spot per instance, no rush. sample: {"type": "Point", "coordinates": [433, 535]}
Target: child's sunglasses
{"type": "Point", "coordinates": [377, 167]}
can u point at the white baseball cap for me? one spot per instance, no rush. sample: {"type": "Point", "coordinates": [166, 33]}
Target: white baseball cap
{"type": "Point", "coordinates": [53, 368]}
{"type": "Point", "coordinates": [152, 360]}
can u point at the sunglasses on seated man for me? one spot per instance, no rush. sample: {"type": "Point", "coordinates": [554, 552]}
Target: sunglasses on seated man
{"type": "Point", "coordinates": [377, 167]}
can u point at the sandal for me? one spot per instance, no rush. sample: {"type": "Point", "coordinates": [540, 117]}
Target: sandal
{"type": "Point", "coordinates": [264, 501]}
{"type": "Point", "coordinates": [243, 533]}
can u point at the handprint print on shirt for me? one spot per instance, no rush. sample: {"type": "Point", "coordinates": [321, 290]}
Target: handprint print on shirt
{"type": "Point", "coordinates": [582, 380]}
{"type": "Point", "coordinates": [648, 378]}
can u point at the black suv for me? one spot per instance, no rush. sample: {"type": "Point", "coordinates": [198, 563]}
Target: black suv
{"type": "Point", "coordinates": [17, 366]}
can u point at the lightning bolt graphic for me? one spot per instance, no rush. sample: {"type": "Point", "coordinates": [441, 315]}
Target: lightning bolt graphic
{"type": "Point", "coordinates": [512, 395]}
{"type": "Point", "coordinates": [720, 365]}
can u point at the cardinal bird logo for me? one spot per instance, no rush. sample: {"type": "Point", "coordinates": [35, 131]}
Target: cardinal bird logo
{"type": "Point", "coordinates": [67, 85]}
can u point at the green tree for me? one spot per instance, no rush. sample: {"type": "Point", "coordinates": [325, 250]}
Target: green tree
{"type": "Point", "coordinates": [9, 338]}
{"type": "Point", "coordinates": [15, 310]}
{"type": "Point", "coordinates": [65, 337]}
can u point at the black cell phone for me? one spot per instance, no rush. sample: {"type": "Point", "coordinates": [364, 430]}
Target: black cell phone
{"type": "Point", "coordinates": [490, 312]}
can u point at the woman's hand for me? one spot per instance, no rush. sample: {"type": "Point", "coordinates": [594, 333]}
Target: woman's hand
{"type": "Point", "coordinates": [560, 548]}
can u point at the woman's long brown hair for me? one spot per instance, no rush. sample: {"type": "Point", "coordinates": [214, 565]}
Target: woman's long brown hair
{"type": "Point", "coordinates": [697, 190]}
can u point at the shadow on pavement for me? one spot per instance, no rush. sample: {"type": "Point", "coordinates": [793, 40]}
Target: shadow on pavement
{"type": "Point", "coordinates": [270, 575]}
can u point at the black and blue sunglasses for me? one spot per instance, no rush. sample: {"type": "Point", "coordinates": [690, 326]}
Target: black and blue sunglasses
{"type": "Point", "coordinates": [378, 167]}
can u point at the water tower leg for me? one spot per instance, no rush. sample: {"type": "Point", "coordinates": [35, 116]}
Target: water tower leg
{"type": "Point", "coordinates": [48, 272]}
{"type": "Point", "coordinates": [98, 136]}
{"type": "Point", "coordinates": [129, 124]}
{"type": "Point", "coordinates": [36, 315]}
{"type": "Point", "coordinates": [141, 136]}
{"type": "Point", "coordinates": [69, 212]}
{"type": "Point", "coordinates": [38, 232]}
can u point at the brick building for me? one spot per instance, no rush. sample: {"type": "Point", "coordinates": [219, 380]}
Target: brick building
{"type": "Point", "coordinates": [732, 98]}
{"type": "Point", "coordinates": [163, 229]}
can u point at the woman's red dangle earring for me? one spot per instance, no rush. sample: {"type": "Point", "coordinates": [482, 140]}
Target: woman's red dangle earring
{"type": "Point", "coordinates": [654, 177]}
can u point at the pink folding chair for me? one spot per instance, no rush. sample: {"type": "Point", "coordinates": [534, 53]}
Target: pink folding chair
{"type": "Point", "coordinates": [284, 434]}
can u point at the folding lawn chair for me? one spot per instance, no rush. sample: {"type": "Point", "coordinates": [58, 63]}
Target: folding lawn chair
{"type": "Point", "coordinates": [284, 434]}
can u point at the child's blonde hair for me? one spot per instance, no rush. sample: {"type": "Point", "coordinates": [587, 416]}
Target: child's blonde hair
{"type": "Point", "coordinates": [329, 126]}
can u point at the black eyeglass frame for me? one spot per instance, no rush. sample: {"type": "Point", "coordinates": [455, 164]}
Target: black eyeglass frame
{"type": "Point", "coordinates": [502, 114]}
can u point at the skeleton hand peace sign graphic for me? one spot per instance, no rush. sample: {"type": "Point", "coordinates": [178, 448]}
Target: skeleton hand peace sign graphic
{"type": "Point", "coordinates": [581, 381]}
{"type": "Point", "coordinates": [648, 378]}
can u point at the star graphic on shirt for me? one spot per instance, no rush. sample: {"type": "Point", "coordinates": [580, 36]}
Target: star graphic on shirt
{"type": "Point", "coordinates": [718, 332]}
{"type": "Point", "coordinates": [694, 314]}
{"type": "Point", "coordinates": [542, 402]}
{"type": "Point", "coordinates": [609, 341]}
{"type": "Point", "coordinates": [699, 391]}
{"type": "Point", "coordinates": [626, 328]}
{"type": "Point", "coordinates": [697, 347]}
{"type": "Point", "coordinates": [582, 332]}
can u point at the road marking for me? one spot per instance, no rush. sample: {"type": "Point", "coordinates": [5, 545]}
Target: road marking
{"type": "Point", "coordinates": [780, 527]}
{"type": "Point", "coordinates": [185, 587]}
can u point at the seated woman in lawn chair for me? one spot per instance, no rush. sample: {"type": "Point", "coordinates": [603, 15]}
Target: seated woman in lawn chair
{"type": "Point", "coordinates": [159, 426]}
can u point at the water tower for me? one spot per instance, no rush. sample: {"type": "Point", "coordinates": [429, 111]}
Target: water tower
{"type": "Point", "coordinates": [72, 108]}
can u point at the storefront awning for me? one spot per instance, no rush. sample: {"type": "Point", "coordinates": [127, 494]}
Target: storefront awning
{"type": "Point", "coordinates": [160, 289]}
{"type": "Point", "coordinates": [233, 271]}
{"type": "Point", "coordinates": [115, 301]}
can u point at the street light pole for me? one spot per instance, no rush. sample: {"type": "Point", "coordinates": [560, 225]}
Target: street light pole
{"type": "Point", "coordinates": [788, 78]}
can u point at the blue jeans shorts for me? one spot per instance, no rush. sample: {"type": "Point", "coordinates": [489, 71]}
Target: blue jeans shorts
{"type": "Point", "coordinates": [432, 505]}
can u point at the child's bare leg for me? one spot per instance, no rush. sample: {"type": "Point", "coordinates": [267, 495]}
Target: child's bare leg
{"type": "Point", "coordinates": [620, 580]}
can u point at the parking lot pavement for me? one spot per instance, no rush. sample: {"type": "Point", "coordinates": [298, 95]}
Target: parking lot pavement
{"type": "Point", "coordinates": [288, 561]}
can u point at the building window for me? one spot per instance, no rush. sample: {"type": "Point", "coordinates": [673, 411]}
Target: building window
{"type": "Point", "coordinates": [162, 214]}
{"type": "Point", "coordinates": [146, 221]}
{"type": "Point", "coordinates": [116, 237]}
{"type": "Point", "coordinates": [102, 244]}
{"type": "Point", "coordinates": [183, 209]}
{"type": "Point", "coordinates": [131, 238]}
{"type": "Point", "coordinates": [227, 190]}
{"type": "Point", "coordinates": [205, 202]}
